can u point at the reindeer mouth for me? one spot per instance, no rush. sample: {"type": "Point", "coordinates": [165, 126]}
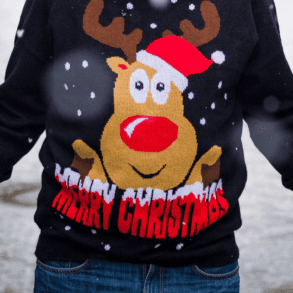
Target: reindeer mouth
{"type": "Point", "coordinates": [147, 176]}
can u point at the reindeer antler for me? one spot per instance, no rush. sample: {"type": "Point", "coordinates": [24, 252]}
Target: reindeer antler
{"type": "Point", "coordinates": [198, 37]}
{"type": "Point", "coordinates": [112, 35]}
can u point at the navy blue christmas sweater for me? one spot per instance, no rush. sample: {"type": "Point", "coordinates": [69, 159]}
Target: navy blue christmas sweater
{"type": "Point", "coordinates": [142, 103]}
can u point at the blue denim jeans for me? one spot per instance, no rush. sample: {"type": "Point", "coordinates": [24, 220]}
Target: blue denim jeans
{"type": "Point", "coordinates": [107, 277]}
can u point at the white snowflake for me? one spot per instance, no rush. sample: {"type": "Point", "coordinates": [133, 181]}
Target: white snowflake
{"type": "Point", "coordinates": [174, 1]}
{"type": "Point", "coordinates": [191, 7]}
{"type": "Point", "coordinates": [73, 85]}
{"type": "Point", "coordinates": [213, 106]}
{"type": "Point", "coordinates": [30, 140]}
{"type": "Point", "coordinates": [202, 121]}
{"type": "Point", "coordinates": [220, 84]}
{"type": "Point", "coordinates": [218, 57]}
{"type": "Point", "coordinates": [107, 247]}
{"type": "Point", "coordinates": [191, 95]}
{"type": "Point", "coordinates": [123, 13]}
{"type": "Point", "coordinates": [153, 25]}
{"type": "Point", "coordinates": [51, 227]}
{"type": "Point", "coordinates": [66, 86]}
{"type": "Point", "coordinates": [85, 64]}
{"type": "Point", "coordinates": [158, 245]}
{"type": "Point", "coordinates": [129, 5]}
{"type": "Point", "coordinates": [93, 95]}
{"type": "Point", "coordinates": [94, 231]}
{"type": "Point", "coordinates": [67, 228]}
{"type": "Point", "coordinates": [20, 33]}
{"type": "Point", "coordinates": [67, 66]}
{"type": "Point", "coordinates": [78, 112]}
{"type": "Point", "coordinates": [179, 246]}
{"type": "Point", "coordinates": [233, 123]}
{"type": "Point", "coordinates": [236, 149]}
{"type": "Point", "coordinates": [183, 223]}
{"type": "Point", "coordinates": [225, 96]}
{"type": "Point", "coordinates": [62, 217]}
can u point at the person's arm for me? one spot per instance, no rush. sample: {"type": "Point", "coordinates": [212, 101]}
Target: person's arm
{"type": "Point", "coordinates": [266, 94]}
{"type": "Point", "coordinates": [22, 102]}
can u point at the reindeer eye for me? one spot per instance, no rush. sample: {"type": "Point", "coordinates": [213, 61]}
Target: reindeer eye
{"type": "Point", "coordinates": [139, 86]}
{"type": "Point", "coordinates": [160, 88]}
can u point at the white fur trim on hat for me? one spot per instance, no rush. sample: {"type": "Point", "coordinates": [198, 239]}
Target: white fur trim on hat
{"type": "Point", "coordinates": [162, 66]}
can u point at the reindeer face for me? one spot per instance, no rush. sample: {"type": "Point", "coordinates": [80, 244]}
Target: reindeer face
{"type": "Point", "coordinates": [147, 141]}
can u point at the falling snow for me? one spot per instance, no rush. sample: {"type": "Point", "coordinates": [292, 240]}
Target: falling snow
{"type": "Point", "coordinates": [202, 121]}
{"type": "Point", "coordinates": [66, 86]}
{"type": "Point", "coordinates": [174, 1]}
{"type": "Point", "coordinates": [85, 64]}
{"type": "Point", "coordinates": [213, 106]}
{"type": "Point", "coordinates": [30, 140]}
{"type": "Point", "coordinates": [191, 95]}
{"type": "Point", "coordinates": [233, 123]}
{"type": "Point", "coordinates": [78, 112]}
{"type": "Point", "coordinates": [94, 231]}
{"type": "Point", "coordinates": [153, 25]}
{"type": "Point", "coordinates": [191, 7]}
{"type": "Point", "coordinates": [158, 245]}
{"type": "Point", "coordinates": [123, 13]}
{"type": "Point", "coordinates": [129, 5]}
{"type": "Point", "coordinates": [218, 57]}
{"type": "Point", "coordinates": [236, 149]}
{"type": "Point", "coordinates": [20, 33]}
{"type": "Point", "coordinates": [62, 217]}
{"type": "Point", "coordinates": [93, 95]}
{"type": "Point", "coordinates": [67, 66]}
{"type": "Point", "coordinates": [225, 96]}
{"type": "Point", "coordinates": [107, 247]}
{"type": "Point", "coordinates": [67, 228]}
{"type": "Point", "coordinates": [220, 84]}
{"type": "Point", "coordinates": [179, 246]}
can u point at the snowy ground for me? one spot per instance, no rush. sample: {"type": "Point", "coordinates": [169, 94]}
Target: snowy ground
{"type": "Point", "coordinates": [265, 239]}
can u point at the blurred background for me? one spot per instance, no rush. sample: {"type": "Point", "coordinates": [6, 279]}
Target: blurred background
{"type": "Point", "coordinates": [265, 239]}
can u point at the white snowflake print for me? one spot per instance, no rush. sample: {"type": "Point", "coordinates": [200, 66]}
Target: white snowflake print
{"type": "Point", "coordinates": [67, 228]}
{"type": "Point", "coordinates": [225, 96]}
{"type": "Point", "coordinates": [94, 231]}
{"type": "Point", "coordinates": [153, 25]}
{"type": "Point", "coordinates": [67, 66]}
{"type": "Point", "coordinates": [129, 5]}
{"type": "Point", "coordinates": [62, 217]}
{"type": "Point", "coordinates": [30, 140]}
{"type": "Point", "coordinates": [174, 1]}
{"type": "Point", "coordinates": [20, 33]}
{"type": "Point", "coordinates": [218, 57]}
{"type": "Point", "coordinates": [85, 64]}
{"type": "Point", "coordinates": [190, 95]}
{"type": "Point", "coordinates": [66, 86]}
{"type": "Point", "coordinates": [158, 245]}
{"type": "Point", "coordinates": [93, 95]}
{"type": "Point", "coordinates": [220, 84]}
{"type": "Point", "coordinates": [191, 7]}
{"type": "Point", "coordinates": [202, 121]}
{"type": "Point", "coordinates": [179, 246]}
{"type": "Point", "coordinates": [213, 106]}
{"type": "Point", "coordinates": [78, 112]}
{"type": "Point", "coordinates": [107, 247]}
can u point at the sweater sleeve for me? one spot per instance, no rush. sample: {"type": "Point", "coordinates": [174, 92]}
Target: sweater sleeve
{"type": "Point", "coordinates": [22, 103]}
{"type": "Point", "coordinates": [265, 91]}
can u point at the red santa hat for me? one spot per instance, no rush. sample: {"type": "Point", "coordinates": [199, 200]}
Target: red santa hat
{"type": "Point", "coordinates": [176, 58]}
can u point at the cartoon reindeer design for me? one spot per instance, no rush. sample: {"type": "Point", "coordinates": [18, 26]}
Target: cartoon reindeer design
{"type": "Point", "coordinates": [148, 142]}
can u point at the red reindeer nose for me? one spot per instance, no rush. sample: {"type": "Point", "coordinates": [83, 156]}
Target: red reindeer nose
{"type": "Point", "coordinates": [148, 133]}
